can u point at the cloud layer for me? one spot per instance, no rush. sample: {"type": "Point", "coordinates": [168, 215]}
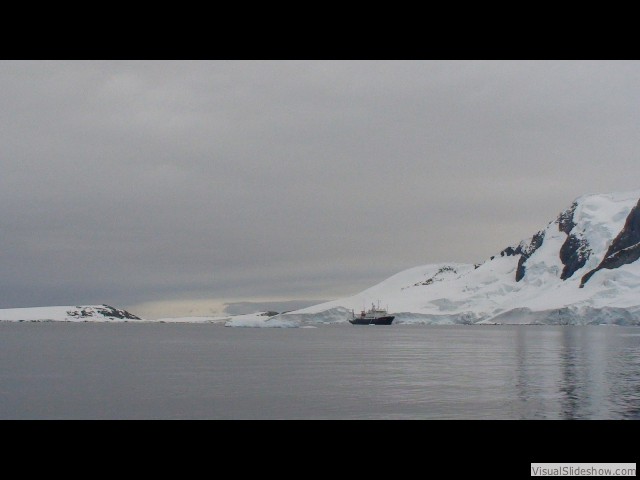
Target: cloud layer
{"type": "Point", "coordinates": [139, 182]}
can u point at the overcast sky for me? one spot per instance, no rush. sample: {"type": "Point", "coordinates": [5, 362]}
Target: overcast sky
{"type": "Point", "coordinates": [175, 187]}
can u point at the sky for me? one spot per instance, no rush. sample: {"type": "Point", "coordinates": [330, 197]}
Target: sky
{"type": "Point", "coordinates": [189, 187]}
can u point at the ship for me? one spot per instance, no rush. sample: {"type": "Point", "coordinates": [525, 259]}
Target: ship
{"type": "Point", "coordinates": [373, 316]}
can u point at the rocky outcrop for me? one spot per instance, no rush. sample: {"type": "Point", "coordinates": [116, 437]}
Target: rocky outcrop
{"type": "Point", "coordinates": [624, 249]}
{"type": "Point", "coordinates": [574, 254]}
{"type": "Point", "coordinates": [565, 219]}
{"type": "Point", "coordinates": [575, 251]}
{"type": "Point", "coordinates": [101, 311]}
{"type": "Point", "coordinates": [525, 250]}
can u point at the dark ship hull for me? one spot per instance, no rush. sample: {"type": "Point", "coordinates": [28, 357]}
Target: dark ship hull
{"type": "Point", "coordinates": [373, 321]}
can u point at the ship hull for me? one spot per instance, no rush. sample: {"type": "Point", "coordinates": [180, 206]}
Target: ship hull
{"type": "Point", "coordinates": [373, 321]}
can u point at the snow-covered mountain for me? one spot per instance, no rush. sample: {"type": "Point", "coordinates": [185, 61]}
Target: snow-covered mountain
{"type": "Point", "coordinates": [91, 313]}
{"type": "Point", "coordinates": [582, 268]}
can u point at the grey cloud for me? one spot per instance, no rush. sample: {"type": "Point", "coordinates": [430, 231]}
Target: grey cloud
{"type": "Point", "coordinates": [141, 181]}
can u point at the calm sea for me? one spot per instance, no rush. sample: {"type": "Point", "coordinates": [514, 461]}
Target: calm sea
{"type": "Point", "coordinates": [189, 371]}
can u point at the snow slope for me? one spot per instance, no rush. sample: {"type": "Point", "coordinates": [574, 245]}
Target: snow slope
{"type": "Point", "coordinates": [581, 268]}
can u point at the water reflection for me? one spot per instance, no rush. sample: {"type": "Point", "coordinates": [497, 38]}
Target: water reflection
{"type": "Point", "coordinates": [576, 373]}
{"type": "Point", "coordinates": [201, 371]}
{"type": "Point", "coordinates": [623, 375]}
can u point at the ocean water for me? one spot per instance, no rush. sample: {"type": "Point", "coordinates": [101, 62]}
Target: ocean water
{"type": "Point", "coordinates": [190, 371]}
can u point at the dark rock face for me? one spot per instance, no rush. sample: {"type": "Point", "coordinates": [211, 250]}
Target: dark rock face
{"type": "Point", "coordinates": [624, 249]}
{"type": "Point", "coordinates": [574, 254]}
{"type": "Point", "coordinates": [534, 244]}
{"type": "Point", "coordinates": [622, 257]}
{"type": "Point", "coordinates": [630, 234]}
{"type": "Point", "coordinates": [525, 252]}
{"type": "Point", "coordinates": [108, 311]}
{"type": "Point", "coordinates": [575, 251]}
{"type": "Point", "coordinates": [565, 219]}
{"type": "Point", "coordinates": [510, 251]}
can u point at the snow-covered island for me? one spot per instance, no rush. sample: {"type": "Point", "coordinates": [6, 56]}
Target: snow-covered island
{"type": "Point", "coordinates": [106, 313]}
{"type": "Point", "coordinates": [582, 268]}
{"type": "Point", "coordinates": [88, 313]}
